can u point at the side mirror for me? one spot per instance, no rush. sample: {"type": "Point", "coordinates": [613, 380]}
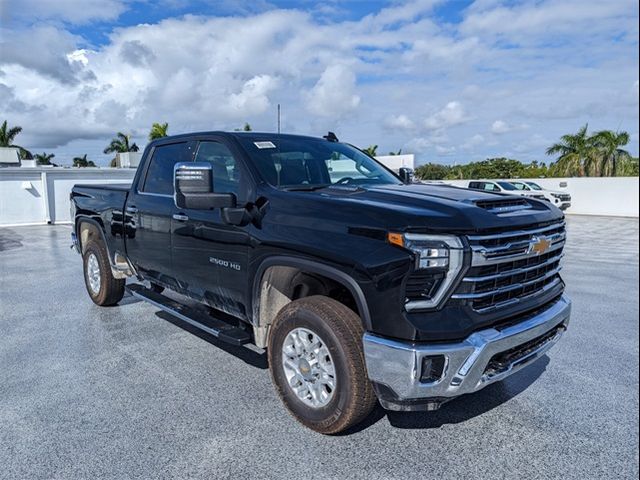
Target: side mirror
{"type": "Point", "coordinates": [193, 187]}
{"type": "Point", "coordinates": [406, 174]}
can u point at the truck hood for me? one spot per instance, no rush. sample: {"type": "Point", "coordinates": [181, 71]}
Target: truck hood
{"type": "Point", "coordinates": [429, 208]}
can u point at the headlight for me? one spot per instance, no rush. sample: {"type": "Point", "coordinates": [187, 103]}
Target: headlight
{"type": "Point", "coordinates": [439, 259]}
{"type": "Point", "coordinates": [556, 195]}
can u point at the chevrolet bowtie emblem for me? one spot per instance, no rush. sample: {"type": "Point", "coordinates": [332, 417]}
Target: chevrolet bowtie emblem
{"type": "Point", "coordinates": [539, 245]}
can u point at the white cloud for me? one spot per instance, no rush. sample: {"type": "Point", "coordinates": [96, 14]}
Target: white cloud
{"type": "Point", "coordinates": [334, 93]}
{"type": "Point", "coordinates": [400, 122]}
{"type": "Point", "coordinates": [444, 151]}
{"type": "Point", "coordinates": [452, 114]}
{"type": "Point", "coordinates": [72, 11]}
{"type": "Point", "coordinates": [499, 127]}
{"type": "Point", "coordinates": [253, 98]}
{"type": "Point", "coordinates": [548, 65]}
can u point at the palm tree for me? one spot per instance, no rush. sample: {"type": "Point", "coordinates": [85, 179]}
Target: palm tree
{"type": "Point", "coordinates": [399, 152]}
{"type": "Point", "coordinates": [610, 155]}
{"type": "Point", "coordinates": [371, 150]}
{"type": "Point", "coordinates": [575, 152]}
{"type": "Point", "coordinates": [83, 162]}
{"type": "Point", "coordinates": [8, 135]}
{"type": "Point", "coordinates": [158, 130]}
{"type": "Point", "coordinates": [44, 158]}
{"type": "Point", "coordinates": [120, 144]}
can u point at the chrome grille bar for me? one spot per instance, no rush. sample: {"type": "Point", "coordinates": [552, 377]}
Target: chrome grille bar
{"type": "Point", "coordinates": [515, 271]}
{"type": "Point", "coordinates": [516, 300]}
{"type": "Point", "coordinates": [508, 288]}
{"type": "Point", "coordinates": [516, 233]}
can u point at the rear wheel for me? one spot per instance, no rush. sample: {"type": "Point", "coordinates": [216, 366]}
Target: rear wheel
{"type": "Point", "coordinates": [102, 287]}
{"type": "Point", "coordinates": [317, 364]}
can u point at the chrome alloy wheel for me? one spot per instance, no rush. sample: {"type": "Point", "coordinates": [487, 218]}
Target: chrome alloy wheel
{"type": "Point", "coordinates": [93, 273]}
{"type": "Point", "coordinates": [308, 367]}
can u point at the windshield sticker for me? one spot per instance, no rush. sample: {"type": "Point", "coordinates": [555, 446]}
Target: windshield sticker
{"type": "Point", "coordinates": [262, 145]}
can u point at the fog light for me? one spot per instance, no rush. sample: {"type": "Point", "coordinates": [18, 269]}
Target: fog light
{"type": "Point", "coordinates": [432, 368]}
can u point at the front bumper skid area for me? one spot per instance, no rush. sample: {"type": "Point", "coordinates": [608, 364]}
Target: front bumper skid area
{"type": "Point", "coordinates": [484, 357]}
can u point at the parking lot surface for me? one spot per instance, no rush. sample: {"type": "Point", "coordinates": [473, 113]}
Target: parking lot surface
{"type": "Point", "coordinates": [129, 392]}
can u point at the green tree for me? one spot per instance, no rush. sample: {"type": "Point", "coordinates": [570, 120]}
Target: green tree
{"type": "Point", "coordinates": [399, 152]}
{"type": "Point", "coordinates": [158, 130]}
{"type": "Point", "coordinates": [610, 155]}
{"type": "Point", "coordinates": [576, 153]}
{"type": "Point", "coordinates": [628, 167]}
{"type": "Point", "coordinates": [44, 158]}
{"type": "Point", "coordinates": [83, 162]}
{"type": "Point", "coordinates": [432, 171]}
{"type": "Point", "coordinates": [121, 144]}
{"type": "Point", "coordinates": [245, 128]}
{"type": "Point", "coordinates": [371, 150]}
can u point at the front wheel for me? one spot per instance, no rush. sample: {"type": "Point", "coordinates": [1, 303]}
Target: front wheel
{"type": "Point", "coordinates": [317, 364]}
{"type": "Point", "coordinates": [102, 287]}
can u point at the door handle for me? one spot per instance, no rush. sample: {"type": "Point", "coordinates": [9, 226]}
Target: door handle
{"type": "Point", "coordinates": [132, 209]}
{"type": "Point", "coordinates": [180, 217]}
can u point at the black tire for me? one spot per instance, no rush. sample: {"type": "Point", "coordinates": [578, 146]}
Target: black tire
{"type": "Point", "coordinates": [341, 330]}
{"type": "Point", "coordinates": [111, 289]}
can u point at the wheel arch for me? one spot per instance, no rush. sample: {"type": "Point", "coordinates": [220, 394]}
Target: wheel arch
{"type": "Point", "coordinates": [120, 267]}
{"type": "Point", "coordinates": [268, 300]}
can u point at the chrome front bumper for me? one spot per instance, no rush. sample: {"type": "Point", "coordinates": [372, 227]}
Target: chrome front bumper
{"type": "Point", "coordinates": [395, 367]}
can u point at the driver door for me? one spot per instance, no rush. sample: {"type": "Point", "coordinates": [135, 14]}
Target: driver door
{"type": "Point", "coordinates": [210, 255]}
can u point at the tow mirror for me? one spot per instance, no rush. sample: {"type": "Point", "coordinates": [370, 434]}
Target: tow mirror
{"type": "Point", "coordinates": [193, 187]}
{"type": "Point", "coordinates": [406, 174]}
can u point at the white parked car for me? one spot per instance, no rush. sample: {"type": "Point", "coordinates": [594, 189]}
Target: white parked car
{"type": "Point", "coordinates": [562, 200]}
{"type": "Point", "coordinates": [502, 186]}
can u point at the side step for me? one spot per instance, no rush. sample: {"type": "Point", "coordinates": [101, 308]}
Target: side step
{"type": "Point", "coordinates": [218, 328]}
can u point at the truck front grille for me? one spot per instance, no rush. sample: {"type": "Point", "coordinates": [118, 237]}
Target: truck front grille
{"type": "Point", "coordinates": [509, 267]}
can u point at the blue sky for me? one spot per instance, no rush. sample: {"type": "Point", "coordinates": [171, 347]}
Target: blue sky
{"type": "Point", "coordinates": [451, 82]}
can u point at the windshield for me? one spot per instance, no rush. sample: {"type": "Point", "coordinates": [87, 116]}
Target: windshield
{"type": "Point", "coordinates": [507, 186]}
{"type": "Point", "coordinates": [307, 163]}
{"type": "Point", "coordinates": [520, 186]}
{"type": "Point", "coordinates": [535, 186]}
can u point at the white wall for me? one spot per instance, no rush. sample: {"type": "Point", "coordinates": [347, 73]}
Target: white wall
{"type": "Point", "coordinates": [41, 195]}
{"type": "Point", "coordinates": [611, 196]}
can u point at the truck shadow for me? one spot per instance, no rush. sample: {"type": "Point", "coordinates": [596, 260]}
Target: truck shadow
{"type": "Point", "coordinates": [463, 408]}
{"type": "Point", "coordinates": [251, 357]}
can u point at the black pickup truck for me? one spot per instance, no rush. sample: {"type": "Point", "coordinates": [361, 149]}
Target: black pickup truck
{"type": "Point", "coordinates": [361, 285]}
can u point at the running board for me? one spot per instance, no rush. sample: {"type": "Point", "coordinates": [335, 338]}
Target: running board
{"type": "Point", "coordinates": [218, 328]}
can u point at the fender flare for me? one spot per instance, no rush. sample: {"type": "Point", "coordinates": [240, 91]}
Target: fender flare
{"type": "Point", "coordinates": [311, 266]}
{"type": "Point", "coordinates": [87, 219]}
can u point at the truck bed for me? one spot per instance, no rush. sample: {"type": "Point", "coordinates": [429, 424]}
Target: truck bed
{"type": "Point", "coordinates": [103, 205]}
{"type": "Point", "coordinates": [104, 186]}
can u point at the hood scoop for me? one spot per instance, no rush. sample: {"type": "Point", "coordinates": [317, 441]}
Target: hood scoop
{"type": "Point", "coordinates": [507, 205]}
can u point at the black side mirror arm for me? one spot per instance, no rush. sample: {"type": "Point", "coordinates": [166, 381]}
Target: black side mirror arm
{"type": "Point", "coordinates": [250, 213]}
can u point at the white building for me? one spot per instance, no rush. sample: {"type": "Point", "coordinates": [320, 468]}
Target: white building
{"type": "Point", "coordinates": [396, 162]}
{"type": "Point", "coordinates": [9, 157]}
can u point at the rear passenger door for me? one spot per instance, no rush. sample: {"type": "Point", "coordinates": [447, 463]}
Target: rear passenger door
{"type": "Point", "coordinates": [150, 207]}
{"type": "Point", "coordinates": [209, 256]}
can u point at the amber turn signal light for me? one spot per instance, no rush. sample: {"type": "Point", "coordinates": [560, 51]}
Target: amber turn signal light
{"type": "Point", "coordinates": [395, 239]}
